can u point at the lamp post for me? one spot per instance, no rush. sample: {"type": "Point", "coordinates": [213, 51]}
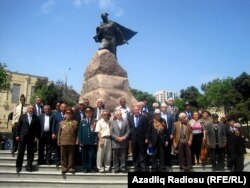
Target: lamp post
{"type": "Point", "coordinates": [66, 82]}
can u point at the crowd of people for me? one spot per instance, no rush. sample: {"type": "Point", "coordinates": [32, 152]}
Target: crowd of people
{"type": "Point", "coordinates": [101, 139]}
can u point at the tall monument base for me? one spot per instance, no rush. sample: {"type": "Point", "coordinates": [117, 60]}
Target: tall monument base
{"type": "Point", "coordinates": [104, 78]}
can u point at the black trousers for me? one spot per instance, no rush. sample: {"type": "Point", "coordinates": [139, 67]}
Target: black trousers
{"type": "Point", "coordinates": [45, 145]}
{"type": "Point", "coordinates": [88, 157]}
{"type": "Point", "coordinates": [29, 143]}
{"type": "Point", "coordinates": [139, 155]}
{"type": "Point", "coordinates": [15, 142]}
{"type": "Point", "coordinates": [217, 157]}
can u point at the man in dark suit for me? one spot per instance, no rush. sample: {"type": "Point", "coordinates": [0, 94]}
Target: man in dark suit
{"type": "Point", "coordinates": [138, 131]}
{"type": "Point", "coordinates": [27, 132]}
{"type": "Point", "coordinates": [38, 111]}
{"type": "Point", "coordinates": [38, 107]}
{"type": "Point", "coordinates": [98, 109]}
{"type": "Point", "coordinates": [45, 139]}
{"type": "Point", "coordinates": [168, 117]}
{"type": "Point", "coordinates": [119, 131]}
{"type": "Point", "coordinates": [58, 117]}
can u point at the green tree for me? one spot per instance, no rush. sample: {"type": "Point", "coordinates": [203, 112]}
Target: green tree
{"type": "Point", "coordinates": [54, 92]}
{"type": "Point", "coordinates": [179, 103]}
{"type": "Point", "coordinates": [4, 79]}
{"type": "Point", "coordinates": [220, 92]}
{"type": "Point", "coordinates": [191, 95]}
{"type": "Point", "coordinates": [40, 83]}
{"type": "Point", "coordinates": [141, 96]}
{"type": "Point", "coordinates": [242, 85]}
{"type": "Point", "coordinates": [47, 92]}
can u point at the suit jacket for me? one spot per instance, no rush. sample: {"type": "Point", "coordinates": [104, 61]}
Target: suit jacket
{"type": "Point", "coordinates": [177, 132]}
{"type": "Point", "coordinates": [138, 134]}
{"type": "Point", "coordinates": [56, 120]}
{"type": "Point", "coordinates": [35, 110]}
{"type": "Point", "coordinates": [17, 112]}
{"type": "Point", "coordinates": [77, 116]}
{"type": "Point", "coordinates": [174, 111]}
{"type": "Point", "coordinates": [28, 131]}
{"type": "Point", "coordinates": [95, 113]}
{"type": "Point", "coordinates": [170, 124]}
{"type": "Point", "coordinates": [67, 133]}
{"type": "Point", "coordinates": [211, 137]}
{"type": "Point", "coordinates": [86, 134]}
{"type": "Point", "coordinates": [115, 132]}
{"type": "Point", "coordinates": [154, 135]}
{"type": "Point", "coordinates": [42, 119]}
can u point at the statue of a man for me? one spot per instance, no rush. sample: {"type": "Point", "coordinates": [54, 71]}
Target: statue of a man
{"type": "Point", "coordinates": [111, 34]}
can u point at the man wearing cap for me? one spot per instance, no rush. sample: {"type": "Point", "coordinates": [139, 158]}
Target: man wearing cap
{"type": "Point", "coordinates": [58, 117]}
{"type": "Point", "coordinates": [87, 139]}
{"type": "Point", "coordinates": [187, 110]}
{"type": "Point", "coordinates": [216, 142]}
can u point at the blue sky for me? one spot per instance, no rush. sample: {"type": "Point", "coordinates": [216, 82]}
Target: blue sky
{"type": "Point", "coordinates": [180, 43]}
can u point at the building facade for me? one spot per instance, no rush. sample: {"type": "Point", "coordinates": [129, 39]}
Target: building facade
{"type": "Point", "coordinates": [20, 84]}
{"type": "Point", "coordinates": [164, 95]}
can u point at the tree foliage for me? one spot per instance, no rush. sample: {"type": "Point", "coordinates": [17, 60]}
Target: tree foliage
{"type": "Point", "coordinates": [242, 85]}
{"type": "Point", "coordinates": [51, 93]}
{"type": "Point", "coordinates": [4, 79]}
{"type": "Point", "coordinates": [220, 92]}
{"type": "Point", "coordinates": [191, 95]}
{"type": "Point", "coordinates": [141, 96]}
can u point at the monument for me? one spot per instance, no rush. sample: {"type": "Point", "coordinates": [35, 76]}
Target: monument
{"type": "Point", "coordinates": [104, 78]}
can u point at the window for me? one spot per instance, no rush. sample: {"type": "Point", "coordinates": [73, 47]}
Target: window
{"type": "Point", "coordinates": [32, 90]}
{"type": "Point", "coordinates": [16, 93]}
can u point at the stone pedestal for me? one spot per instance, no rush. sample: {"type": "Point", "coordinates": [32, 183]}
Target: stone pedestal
{"type": "Point", "coordinates": [104, 78]}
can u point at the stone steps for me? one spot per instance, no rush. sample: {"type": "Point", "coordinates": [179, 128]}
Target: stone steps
{"type": "Point", "coordinates": [50, 176]}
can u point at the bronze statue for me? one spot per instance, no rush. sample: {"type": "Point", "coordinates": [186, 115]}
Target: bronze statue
{"type": "Point", "coordinates": [111, 34]}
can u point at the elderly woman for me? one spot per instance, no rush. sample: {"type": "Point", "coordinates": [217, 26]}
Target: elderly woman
{"type": "Point", "coordinates": [157, 136]}
{"type": "Point", "coordinates": [67, 136]}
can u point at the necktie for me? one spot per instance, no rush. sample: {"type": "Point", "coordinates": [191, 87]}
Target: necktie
{"type": "Point", "coordinates": [81, 115]}
{"type": "Point", "coordinates": [29, 118]}
{"type": "Point", "coordinates": [38, 110]}
{"type": "Point", "coordinates": [182, 131]}
{"type": "Point", "coordinates": [22, 109]}
{"type": "Point", "coordinates": [136, 121]}
{"type": "Point", "coordinates": [119, 124]}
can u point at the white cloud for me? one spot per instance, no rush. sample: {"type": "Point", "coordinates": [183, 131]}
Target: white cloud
{"type": "Point", "coordinates": [119, 12]}
{"type": "Point", "coordinates": [106, 5]}
{"type": "Point", "coordinates": [46, 7]}
{"type": "Point", "coordinates": [79, 3]}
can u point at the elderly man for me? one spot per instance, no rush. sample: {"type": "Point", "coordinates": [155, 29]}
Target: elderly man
{"type": "Point", "coordinates": [104, 145]}
{"type": "Point", "coordinates": [182, 141]}
{"type": "Point", "coordinates": [28, 129]}
{"type": "Point", "coordinates": [119, 130]}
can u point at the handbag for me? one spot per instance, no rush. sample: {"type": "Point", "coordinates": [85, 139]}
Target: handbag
{"type": "Point", "coordinates": [204, 152]}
